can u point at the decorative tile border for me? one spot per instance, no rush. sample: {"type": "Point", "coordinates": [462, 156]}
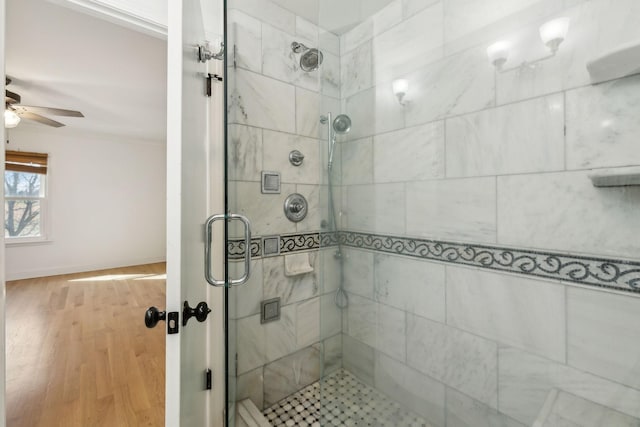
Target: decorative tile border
{"type": "Point", "coordinates": [600, 272]}
{"type": "Point", "coordinates": [288, 243]}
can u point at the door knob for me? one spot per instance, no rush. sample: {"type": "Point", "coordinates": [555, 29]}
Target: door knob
{"type": "Point", "coordinates": [200, 312]}
{"type": "Point", "coordinates": [152, 316]}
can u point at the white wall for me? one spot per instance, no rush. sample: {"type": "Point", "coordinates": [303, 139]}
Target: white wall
{"type": "Point", "coordinates": [107, 203]}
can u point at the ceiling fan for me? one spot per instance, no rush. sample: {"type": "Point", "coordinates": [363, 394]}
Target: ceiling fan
{"type": "Point", "coordinates": [14, 111]}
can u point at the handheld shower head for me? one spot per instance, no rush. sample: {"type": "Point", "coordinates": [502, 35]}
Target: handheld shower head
{"type": "Point", "coordinates": [342, 124]}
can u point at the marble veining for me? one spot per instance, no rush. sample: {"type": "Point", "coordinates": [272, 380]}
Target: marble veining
{"type": "Point", "coordinates": [357, 162]}
{"type": "Point", "coordinates": [376, 207]}
{"type": "Point", "coordinates": [508, 139]}
{"type": "Point", "coordinates": [603, 335]}
{"type": "Point", "coordinates": [465, 16]}
{"type": "Point", "coordinates": [567, 70]}
{"type": "Point", "coordinates": [602, 128]}
{"type": "Point", "coordinates": [289, 289]}
{"type": "Point", "coordinates": [260, 101]}
{"type": "Point", "coordinates": [458, 359]}
{"type": "Point", "coordinates": [463, 411]}
{"type": "Point", "coordinates": [410, 154]}
{"type": "Point", "coordinates": [410, 285]}
{"type": "Point", "coordinates": [525, 313]}
{"type": "Point", "coordinates": [280, 62]}
{"type": "Point", "coordinates": [290, 374]}
{"type": "Point", "coordinates": [457, 84]}
{"type": "Point", "coordinates": [267, 12]}
{"type": "Point", "coordinates": [245, 147]}
{"type": "Point", "coordinates": [276, 149]}
{"type": "Point", "coordinates": [566, 409]}
{"type": "Point", "coordinates": [245, 33]}
{"type": "Point", "coordinates": [525, 381]}
{"type": "Point", "coordinates": [411, 45]}
{"type": "Point", "coordinates": [563, 211]}
{"type": "Point", "coordinates": [418, 392]}
{"type": "Point", "coordinates": [356, 70]}
{"type": "Point", "coordinates": [466, 209]}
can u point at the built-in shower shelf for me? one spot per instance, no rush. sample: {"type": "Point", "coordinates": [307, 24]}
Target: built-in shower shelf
{"type": "Point", "coordinates": [619, 62]}
{"type": "Point", "coordinates": [617, 177]}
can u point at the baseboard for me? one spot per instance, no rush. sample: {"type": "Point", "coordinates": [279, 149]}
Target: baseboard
{"type": "Point", "coordinates": [79, 268]}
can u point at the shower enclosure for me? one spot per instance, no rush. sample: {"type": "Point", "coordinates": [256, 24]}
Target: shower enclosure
{"type": "Point", "coordinates": [458, 262]}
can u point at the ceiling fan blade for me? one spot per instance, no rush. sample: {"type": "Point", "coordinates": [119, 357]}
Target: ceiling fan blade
{"type": "Point", "coordinates": [50, 110]}
{"type": "Point", "coordinates": [40, 119]}
{"type": "Point", "coordinates": [11, 97]}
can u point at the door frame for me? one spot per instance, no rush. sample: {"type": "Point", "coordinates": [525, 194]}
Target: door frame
{"type": "Point", "coordinates": [2, 255]}
{"type": "Point", "coordinates": [215, 296]}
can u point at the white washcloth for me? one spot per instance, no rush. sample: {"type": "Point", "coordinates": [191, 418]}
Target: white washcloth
{"type": "Point", "coordinates": [296, 264]}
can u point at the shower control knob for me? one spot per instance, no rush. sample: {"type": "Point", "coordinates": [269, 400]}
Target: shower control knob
{"type": "Point", "coordinates": [295, 207]}
{"type": "Point", "coordinates": [296, 157]}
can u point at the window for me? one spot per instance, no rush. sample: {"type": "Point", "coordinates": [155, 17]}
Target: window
{"type": "Point", "coordinates": [25, 202]}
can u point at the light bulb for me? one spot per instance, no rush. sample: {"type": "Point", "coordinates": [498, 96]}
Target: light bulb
{"type": "Point", "coordinates": [554, 32]}
{"type": "Point", "coordinates": [11, 119]}
{"type": "Point", "coordinates": [400, 88]}
{"type": "Point", "coordinates": [498, 53]}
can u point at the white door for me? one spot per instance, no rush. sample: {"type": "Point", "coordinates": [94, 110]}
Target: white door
{"type": "Point", "coordinates": [192, 145]}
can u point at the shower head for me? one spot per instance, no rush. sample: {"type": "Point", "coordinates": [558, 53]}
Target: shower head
{"type": "Point", "coordinates": [311, 57]}
{"type": "Point", "coordinates": [311, 60]}
{"type": "Point", "coordinates": [342, 124]}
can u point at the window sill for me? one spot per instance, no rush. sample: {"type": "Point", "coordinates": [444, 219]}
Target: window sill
{"type": "Point", "coordinates": [26, 242]}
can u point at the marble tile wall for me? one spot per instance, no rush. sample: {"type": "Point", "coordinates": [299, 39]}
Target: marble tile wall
{"type": "Point", "coordinates": [533, 132]}
{"type": "Point", "coordinates": [477, 156]}
{"type": "Point", "coordinates": [307, 337]}
{"type": "Point", "coordinates": [473, 156]}
{"type": "Point", "coordinates": [274, 107]}
{"type": "Point", "coordinates": [497, 344]}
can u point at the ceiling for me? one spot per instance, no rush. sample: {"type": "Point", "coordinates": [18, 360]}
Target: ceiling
{"type": "Point", "coordinates": [58, 57]}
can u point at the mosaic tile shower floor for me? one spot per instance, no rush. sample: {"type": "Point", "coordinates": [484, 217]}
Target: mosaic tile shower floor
{"type": "Point", "coordinates": [340, 400]}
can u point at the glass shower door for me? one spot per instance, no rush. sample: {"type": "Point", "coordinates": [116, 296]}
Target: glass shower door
{"type": "Point", "coordinates": [275, 179]}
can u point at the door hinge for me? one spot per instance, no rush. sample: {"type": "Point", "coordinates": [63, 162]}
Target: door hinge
{"type": "Point", "coordinates": [209, 77]}
{"type": "Point", "coordinates": [236, 365]}
{"type": "Point", "coordinates": [172, 322]}
{"type": "Point", "coordinates": [208, 379]}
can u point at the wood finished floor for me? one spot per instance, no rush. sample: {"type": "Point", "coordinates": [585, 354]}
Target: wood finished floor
{"type": "Point", "coordinates": [78, 353]}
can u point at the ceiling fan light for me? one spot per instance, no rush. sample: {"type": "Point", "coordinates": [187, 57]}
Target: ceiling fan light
{"type": "Point", "coordinates": [11, 119]}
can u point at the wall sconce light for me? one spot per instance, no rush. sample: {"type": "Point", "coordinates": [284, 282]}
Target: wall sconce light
{"type": "Point", "coordinates": [400, 89]}
{"type": "Point", "coordinates": [11, 119]}
{"type": "Point", "coordinates": [552, 34]}
{"type": "Point", "coordinates": [498, 53]}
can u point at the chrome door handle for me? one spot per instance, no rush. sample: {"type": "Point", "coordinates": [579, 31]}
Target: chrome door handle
{"type": "Point", "coordinates": [208, 274]}
{"type": "Point", "coordinates": [247, 249]}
